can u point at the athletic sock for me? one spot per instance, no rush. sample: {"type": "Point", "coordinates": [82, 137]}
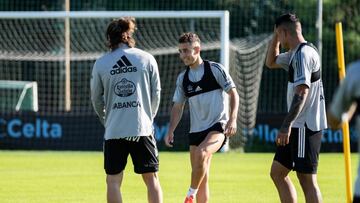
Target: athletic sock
{"type": "Point", "coordinates": [192, 192]}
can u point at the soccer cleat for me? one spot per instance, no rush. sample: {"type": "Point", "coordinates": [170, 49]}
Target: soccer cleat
{"type": "Point", "coordinates": [189, 199]}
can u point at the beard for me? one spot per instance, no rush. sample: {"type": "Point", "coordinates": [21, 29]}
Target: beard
{"type": "Point", "coordinates": [189, 62]}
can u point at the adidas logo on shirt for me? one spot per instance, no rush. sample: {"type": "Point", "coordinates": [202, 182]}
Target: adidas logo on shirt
{"type": "Point", "coordinates": [123, 66]}
{"type": "Point", "coordinates": [198, 88]}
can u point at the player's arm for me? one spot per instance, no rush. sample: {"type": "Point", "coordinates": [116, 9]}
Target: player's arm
{"type": "Point", "coordinates": [273, 52]}
{"type": "Point", "coordinates": [98, 103]}
{"type": "Point", "coordinates": [175, 117]}
{"type": "Point", "coordinates": [297, 104]}
{"type": "Point", "coordinates": [177, 109]}
{"type": "Point", "coordinates": [335, 121]}
{"type": "Point", "coordinates": [224, 79]}
{"type": "Point", "coordinates": [231, 126]}
{"type": "Point", "coordinates": [97, 92]}
{"type": "Point", "coordinates": [155, 87]}
{"type": "Point", "coordinates": [342, 107]}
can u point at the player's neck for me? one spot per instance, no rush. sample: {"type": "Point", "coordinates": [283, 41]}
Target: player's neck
{"type": "Point", "coordinates": [296, 41]}
{"type": "Point", "coordinates": [197, 62]}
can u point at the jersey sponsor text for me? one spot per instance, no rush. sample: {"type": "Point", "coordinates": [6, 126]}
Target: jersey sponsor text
{"type": "Point", "coordinates": [129, 104]}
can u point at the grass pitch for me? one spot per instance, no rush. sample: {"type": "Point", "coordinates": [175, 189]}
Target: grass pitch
{"type": "Point", "coordinates": [47, 176]}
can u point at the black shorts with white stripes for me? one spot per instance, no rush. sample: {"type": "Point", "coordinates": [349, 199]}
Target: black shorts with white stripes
{"type": "Point", "coordinates": [302, 152]}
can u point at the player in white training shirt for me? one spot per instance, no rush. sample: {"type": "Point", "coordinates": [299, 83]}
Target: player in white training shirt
{"type": "Point", "coordinates": [205, 85]}
{"type": "Point", "coordinates": [299, 137]}
{"type": "Point", "coordinates": [125, 93]}
{"type": "Point", "coordinates": [344, 105]}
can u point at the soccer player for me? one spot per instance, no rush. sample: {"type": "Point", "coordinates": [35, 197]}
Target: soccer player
{"type": "Point", "coordinates": [345, 103]}
{"type": "Point", "coordinates": [299, 137]}
{"type": "Point", "coordinates": [205, 85]}
{"type": "Point", "coordinates": [125, 93]}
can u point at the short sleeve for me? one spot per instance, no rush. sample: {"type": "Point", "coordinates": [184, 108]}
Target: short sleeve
{"type": "Point", "coordinates": [179, 94]}
{"type": "Point", "coordinates": [303, 66]}
{"type": "Point", "coordinates": [222, 77]}
{"type": "Point", "coordinates": [283, 60]}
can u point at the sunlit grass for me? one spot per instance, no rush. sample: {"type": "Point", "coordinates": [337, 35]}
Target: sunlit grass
{"type": "Point", "coordinates": [47, 176]}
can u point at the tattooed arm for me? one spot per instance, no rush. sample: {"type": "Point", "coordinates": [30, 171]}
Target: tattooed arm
{"type": "Point", "coordinates": [296, 107]}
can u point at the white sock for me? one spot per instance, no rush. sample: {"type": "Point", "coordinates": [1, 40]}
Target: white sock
{"type": "Point", "coordinates": [192, 192]}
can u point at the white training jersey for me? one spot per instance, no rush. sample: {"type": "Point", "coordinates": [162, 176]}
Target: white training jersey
{"type": "Point", "coordinates": [305, 62]}
{"type": "Point", "coordinates": [125, 92]}
{"type": "Point", "coordinates": [207, 108]}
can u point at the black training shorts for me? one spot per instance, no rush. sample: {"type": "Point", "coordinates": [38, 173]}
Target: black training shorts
{"type": "Point", "coordinates": [302, 152]}
{"type": "Point", "coordinates": [142, 149]}
{"type": "Point", "coordinates": [197, 137]}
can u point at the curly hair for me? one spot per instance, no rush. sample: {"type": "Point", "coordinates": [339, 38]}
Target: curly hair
{"type": "Point", "coordinates": [189, 37]}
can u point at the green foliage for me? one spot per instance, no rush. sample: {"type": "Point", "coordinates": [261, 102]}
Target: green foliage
{"type": "Point", "coordinates": [348, 13]}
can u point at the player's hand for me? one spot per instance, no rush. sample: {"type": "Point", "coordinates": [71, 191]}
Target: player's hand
{"type": "Point", "coordinates": [282, 137]}
{"type": "Point", "coordinates": [230, 128]}
{"type": "Point", "coordinates": [169, 139]}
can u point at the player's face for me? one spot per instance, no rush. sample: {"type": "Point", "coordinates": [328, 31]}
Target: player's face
{"type": "Point", "coordinates": [189, 53]}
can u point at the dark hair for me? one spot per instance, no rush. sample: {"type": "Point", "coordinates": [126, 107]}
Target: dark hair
{"type": "Point", "coordinates": [287, 18]}
{"type": "Point", "coordinates": [189, 37]}
{"type": "Point", "coordinates": [118, 31]}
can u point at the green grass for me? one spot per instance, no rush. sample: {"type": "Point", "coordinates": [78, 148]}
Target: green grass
{"type": "Point", "coordinates": [46, 176]}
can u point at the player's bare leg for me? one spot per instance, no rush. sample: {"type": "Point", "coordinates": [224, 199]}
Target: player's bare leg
{"type": "Point", "coordinates": [154, 191]}
{"type": "Point", "coordinates": [113, 183]}
{"type": "Point", "coordinates": [203, 194]}
{"type": "Point", "coordinates": [201, 155]}
{"type": "Point", "coordinates": [286, 189]}
{"type": "Point", "coordinates": [310, 187]}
